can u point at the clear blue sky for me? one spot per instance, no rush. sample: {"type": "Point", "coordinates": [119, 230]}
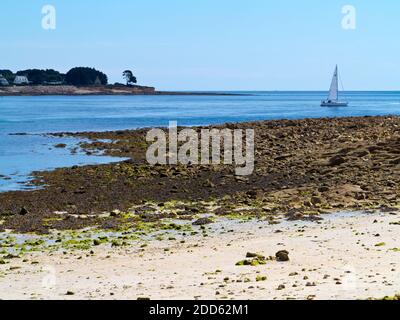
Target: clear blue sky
{"type": "Point", "coordinates": [210, 44]}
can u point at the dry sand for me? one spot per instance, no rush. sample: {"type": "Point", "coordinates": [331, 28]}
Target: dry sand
{"type": "Point", "coordinates": [337, 258]}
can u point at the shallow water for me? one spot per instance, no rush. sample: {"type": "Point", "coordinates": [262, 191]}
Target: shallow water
{"type": "Point", "coordinates": [22, 154]}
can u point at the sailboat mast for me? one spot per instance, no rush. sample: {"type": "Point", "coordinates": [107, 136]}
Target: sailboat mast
{"type": "Point", "coordinates": [337, 80]}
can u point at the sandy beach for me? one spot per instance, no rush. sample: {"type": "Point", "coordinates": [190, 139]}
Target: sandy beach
{"type": "Point", "coordinates": [344, 256]}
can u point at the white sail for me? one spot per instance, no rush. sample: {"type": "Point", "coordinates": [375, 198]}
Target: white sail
{"type": "Point", "coordinates": [333, 97]}
{"type": "Point", "coordinates": [333, 91]}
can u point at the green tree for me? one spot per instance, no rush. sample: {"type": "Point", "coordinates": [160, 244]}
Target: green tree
{"type": "Point", "coordinates": [129, 77]}
{"type": "Point", "coordinates": [8, 74]}
{"type": "Point", "coordinates": [37, 76]}
{"type": "Point", "coordinates": [83, 76]}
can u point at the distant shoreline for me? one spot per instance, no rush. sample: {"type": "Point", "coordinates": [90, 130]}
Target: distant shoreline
{"type": "Point", "coordinates": [68, 90]}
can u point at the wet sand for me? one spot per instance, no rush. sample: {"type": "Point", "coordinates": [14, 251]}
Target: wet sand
{"type": "Point", "coordinates": [344, 256]}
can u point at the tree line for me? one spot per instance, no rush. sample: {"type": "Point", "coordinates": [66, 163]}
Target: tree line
{"type": "Point", "coordinates": [78, 76]}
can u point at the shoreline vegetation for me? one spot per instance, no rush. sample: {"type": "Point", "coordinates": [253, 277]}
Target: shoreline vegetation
{"type": "Point", "coordinates": [277, 231]}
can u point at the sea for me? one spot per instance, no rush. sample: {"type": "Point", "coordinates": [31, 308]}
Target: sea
{"type": "Point", "coordinates": [25, 121]}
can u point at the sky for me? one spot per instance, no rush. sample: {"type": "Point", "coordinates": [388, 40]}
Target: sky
{"type": "Point", "coordinates": [210, 44]}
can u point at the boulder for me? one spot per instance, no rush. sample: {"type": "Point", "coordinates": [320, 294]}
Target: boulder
{"type": "Point", "coordinates": [202, 222]}
{"type": "Point", "coordinates": [23, 211]}
{"type": "Point", "coordinates": [282, 256]}
{"type": "Point", "coordinates": [336, 161]}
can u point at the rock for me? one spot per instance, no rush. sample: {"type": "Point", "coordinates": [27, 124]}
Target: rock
{"type": "Point", "coordinates": [241, 179]}
{"type": "Point", "coordinates": [253, 194]}
{"type": "Point", "coordinates": [316, 200]}
{"type": "Point", "coordinates": [23, 211]}
{"type": "Point", "coordinates": [192, 209]}
{"type": "Point", "coordinates": [251, 262]}
{"type": "Point", "coordinates": [282, 256]}
{"type": "Point", "coordinates": [396, 161]}
{"type": "Point", "coordinates": [266, 209]}
{"type": "Point", "coordinates": [360, 196]}
{"type": "Point", "coordinates": [115, 213]}
{"type": "Point", "coordinates": [323, 189]}
{"type": "Point", "coordinates": [336, 161]}
{"type": "Point", "coordinates": [391, 183]}
{"type": "Point", "coordinates": [308, 203]}
{"type": "Point", "coordinates": [283, 157]}
{"type": "Point", "coordinates": [81, 190]}
{"type": "Point", "coordinates": [255, 255]}
{"type": "Point", "coordinates": [387, 209]}
{"type": "Point", "coordinates": [209, 184]}
{"type": "Point", "coordinates": [202, 222]}
{"type": "Point", "coordinates": [361, 153]}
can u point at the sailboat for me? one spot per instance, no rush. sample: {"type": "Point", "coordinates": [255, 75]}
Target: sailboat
{"type": "Point", "coordinates": [333, 97]}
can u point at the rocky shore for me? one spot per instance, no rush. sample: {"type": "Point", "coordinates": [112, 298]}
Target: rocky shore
{"type": "Point", "coordinates": [303, 169]}
{"type": "Point", "coordinates": [318, 219]}
{"type": "Point", "coordinates": [43, 90]}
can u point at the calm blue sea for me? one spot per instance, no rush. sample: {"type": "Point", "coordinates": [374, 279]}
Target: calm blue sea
{"type": "Point", "coordinates": [22, 154]}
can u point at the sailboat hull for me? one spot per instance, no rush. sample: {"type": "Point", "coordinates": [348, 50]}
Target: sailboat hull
{"type": "Point", "coordinates": [334, 104]}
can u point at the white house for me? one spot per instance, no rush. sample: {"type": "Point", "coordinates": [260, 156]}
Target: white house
{"type": "Point", "coordinates": [3, 81]}
{"type": "Point", "coordinates": [21, 80]}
